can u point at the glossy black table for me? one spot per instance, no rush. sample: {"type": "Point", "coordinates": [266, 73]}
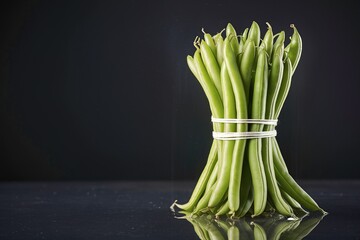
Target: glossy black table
{"type": "Point", "coordinates": [140, 210]}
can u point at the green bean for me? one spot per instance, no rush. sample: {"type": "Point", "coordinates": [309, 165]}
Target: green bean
{"type": "Point", "coordinates": [243, 40]}
{"type": "Point", "coordinates": [279, 41]}
{"type": "Point", "coordinates": [277, 154]}
{"type": "Point", "coordinates": [210, 42]}
{"type": "Point", "coordinates": [267, 42]}
{"type": "Point", "coordinates": [223, 210]}
{"type": "Point", "coordinates": [254, 33]}
{"type": "Point", "coordinates": [221, 204]}
{"type": "Point", "coordinates": [247, 205]}
{"type": "Point", "coordinates": [258, 112]}
{"type": "Point", "coordinates": [241, 113]}
{"type": "Point", "coordinates": [212, 178]}
{"type": "Point", "coordinates": [232, 36]}
{"type": "Point", "coordinates": [288, 184]}
{"type": "Point", "coordinates": [294, 48]}
{"type": "Point", "coordinates": [245, 35]}
{"type": "Point", "coordinates": [203, 202]}
{"type": "Point", "coordinates": [275, 81]}
{"type": "Point", "coordinates": [293, 203]}
{"type": "Point", "coordinates": [191, 64]}
{"type": "Point", "coordinates": [219, 43]}
{"type": "Point", "coordinates": [284, 87]}
{"type": "Point", "coordinates": [236, 173]}
{"type": "Point", "coordinates": [240, 100]}
{"type": "Point", "coordinates": [211, 66]}
{"type": "Point", "coordinates": [246, 65]}
{"type": "Point", "coordinates": [229, 112]}
{"type": "Point", "coordinates": [210, 90]}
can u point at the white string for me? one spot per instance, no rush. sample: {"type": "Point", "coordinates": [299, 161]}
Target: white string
{"type": "Point", "coordinates": [243, 135]}
{"type": "Point", "coordinates": [249, 121]}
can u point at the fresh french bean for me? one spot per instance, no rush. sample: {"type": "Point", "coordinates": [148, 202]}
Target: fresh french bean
{"type": "Point", "coordinates": [211, 66]}
{"type": "Point", "coordinates": [294, 48]}
{"type": "Point", "coordinates": [258, 112]}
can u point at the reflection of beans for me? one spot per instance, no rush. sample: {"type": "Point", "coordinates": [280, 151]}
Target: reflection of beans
{"type": "Point", "coordinates": [259, 232]}
{"type": "Point", "coordinates": [206, 227]}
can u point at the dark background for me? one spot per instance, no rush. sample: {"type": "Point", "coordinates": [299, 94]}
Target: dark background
{"type": "Point", "coordinates": [96, 90]}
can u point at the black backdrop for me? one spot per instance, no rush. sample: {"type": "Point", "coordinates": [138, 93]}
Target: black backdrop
{"type": "Point", "coordinates": [101, 90]}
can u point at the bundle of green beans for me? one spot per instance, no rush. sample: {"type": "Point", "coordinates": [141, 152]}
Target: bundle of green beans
{"type": "Point", "coordinates": [246, 77]}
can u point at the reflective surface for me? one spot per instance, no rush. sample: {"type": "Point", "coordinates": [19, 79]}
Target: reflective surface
{"type": "Point", "coordinates": [274, 227]}
{"type": "Point", "coordinates": [140, 210]}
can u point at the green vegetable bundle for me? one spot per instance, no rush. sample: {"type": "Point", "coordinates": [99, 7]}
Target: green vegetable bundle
{"type": "Point", "coordinates": [245, 77]}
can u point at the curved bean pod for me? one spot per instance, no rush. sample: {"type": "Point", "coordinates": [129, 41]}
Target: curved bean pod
{"type": "Point", "coordinates": [294, 48]}
{"type": "Point", "coordinates": [242, 41]}
{"type": "Point", "coordinates": [279, 41]}
{"type": "Point", "coordinates": [246, 65]}
{"type": "Point", "coordinates": [240, 100]}
{"type": "Point", "coordinates": [210, 90]}
{"type": "Point", "coordinates": [232, 36]}
{"type": "Point", "coordinates": [254, 33]}
{"type": "Point", "coordinates": [241, 113]}
{"type": "Point", "coordinates": [211, 66]}
{"type": "Point", "coordinates": [219, 43]}
{"type": "Point", "coordinates": [223, 210]}
{"type": "Point", "coordinates": [288, 184]}
{"type": "Point", "coordinates": [210, 42]}
{"type": "Point", "coordinates": [267, 42]}
{"type": "Point", "coordinates": [284, 88]}
{"type": "Point", "coordinates": [212, 178]}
